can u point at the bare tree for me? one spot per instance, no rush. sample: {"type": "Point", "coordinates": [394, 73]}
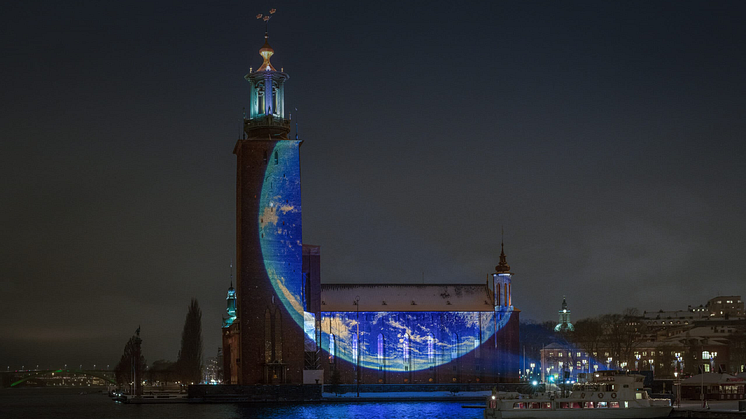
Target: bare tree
{"type": "Point", "coordinates": [588, 335]}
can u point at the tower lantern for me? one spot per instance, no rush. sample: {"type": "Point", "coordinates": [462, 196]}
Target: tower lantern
{"type": "Point", "coordinates": [267, 101]}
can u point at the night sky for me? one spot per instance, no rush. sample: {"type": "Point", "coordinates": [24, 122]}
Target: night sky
{"type": "Point", "coordinates": [606, 137]}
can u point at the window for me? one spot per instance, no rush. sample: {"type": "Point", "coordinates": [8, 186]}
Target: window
{"type": "Point", "coordinates": [430, 348]}
{"type": "Point", "coordinates": [706, 355]}
{"type": "Point", "coordinates": [332, 349]}
{"type": "Point", "coordinates": [354, 348]}
{"type": "Point", "coordinates": [267, 336]}
{"type": "Point", "coordinates": [380, 348]}
{"type": "Point", "coordinates": [278, 335]}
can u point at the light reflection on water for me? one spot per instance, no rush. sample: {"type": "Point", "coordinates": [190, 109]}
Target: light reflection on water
{"type": "Point", "coordinates": [35, 403]}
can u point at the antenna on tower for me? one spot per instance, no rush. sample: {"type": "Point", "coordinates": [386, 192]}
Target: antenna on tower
{"type": "Point", "coordinates": [231, 269]}
{"type": "Point", "coordinates": [243, 132]}
{"type": "Point", "coordinates": [296, 123]}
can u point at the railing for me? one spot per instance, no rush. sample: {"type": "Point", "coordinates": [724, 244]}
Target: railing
{"type": "Point", "coordinates": [267, 121]}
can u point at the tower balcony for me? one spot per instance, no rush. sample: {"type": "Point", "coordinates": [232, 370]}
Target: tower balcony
{"type": "Point", "coordinates": [267, 125]}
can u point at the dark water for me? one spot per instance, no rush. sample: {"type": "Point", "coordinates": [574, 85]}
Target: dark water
{"type": "Point", "coordinates": [34, 403]}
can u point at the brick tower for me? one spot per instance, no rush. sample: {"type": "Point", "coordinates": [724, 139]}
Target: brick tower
{"type": "Point", "coordinates": [269, 325]}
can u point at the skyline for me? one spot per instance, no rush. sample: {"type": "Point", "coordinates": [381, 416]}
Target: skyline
{"type": "Point", "coordinates": [606, 139]}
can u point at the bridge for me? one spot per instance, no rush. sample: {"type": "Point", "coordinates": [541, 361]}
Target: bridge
{"type": "Point", "coordinates": [16, 378]}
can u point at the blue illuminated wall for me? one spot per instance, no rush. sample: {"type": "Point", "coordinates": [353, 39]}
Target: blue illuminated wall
{"type": "Point", "coordinates": [279, 220]}
{"type": "Point", "coordinates": [424, 347]}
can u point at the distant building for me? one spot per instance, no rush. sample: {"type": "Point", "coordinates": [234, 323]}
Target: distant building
{"type": "Point", "coordinates": [564, 324]}
{"type": "Point", "coordinates": [212, 370]}
{"type": "Point", "coordinates": [726, 307]}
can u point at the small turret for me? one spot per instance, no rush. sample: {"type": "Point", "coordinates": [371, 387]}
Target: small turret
{"type": "Point", "coordinates": [230, 304]}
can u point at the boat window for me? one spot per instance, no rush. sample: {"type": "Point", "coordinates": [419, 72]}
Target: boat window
{"type": "Point", "coordinates": [546, 405]}
{"type": "Point", "coordinates": [519, 405]}
{"type": "Point", "coordinates": [534, 405]}
{"type": "Point", "coordinates": [570, 405]}
{"type": "Point", "coordinates": [588, 405]}
{"type": "Point", "coordinates": [614, 405]}
{"type": "Point", "coordinates": [638, 396]}
{"type": "Point", "coordinates": [626, 405]}
{"type": "Point", "coordinates": [602, 405]}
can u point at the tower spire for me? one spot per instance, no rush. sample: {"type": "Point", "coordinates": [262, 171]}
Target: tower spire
{"type": "Point", "coordinates": [503, 266]}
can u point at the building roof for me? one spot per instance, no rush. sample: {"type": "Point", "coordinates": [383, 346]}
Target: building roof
{"type": "Point", "coordinates": [710, 378]}
{"type": "Point", "coordinates": [406, 297]}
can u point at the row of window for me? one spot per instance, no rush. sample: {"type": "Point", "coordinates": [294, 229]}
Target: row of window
{"type": "Point", "coordinates": [405, 347]}
{"type": "Point", "coordinates": [569, 405]}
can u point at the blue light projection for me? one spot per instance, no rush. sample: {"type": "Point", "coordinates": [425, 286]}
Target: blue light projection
{"type": "Point", "coordinates": [407, 341]}
{"type": "Point", "coordinates": [390, 341]}
{"type": "Point", "coordinates": [280, 226]}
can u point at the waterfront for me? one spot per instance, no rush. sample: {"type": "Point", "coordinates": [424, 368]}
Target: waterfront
{"type": "Point", "coordinates": [37, 403]}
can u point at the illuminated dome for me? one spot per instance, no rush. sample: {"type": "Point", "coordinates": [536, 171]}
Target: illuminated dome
{"type": "Point", "coordinates": [266, 52]}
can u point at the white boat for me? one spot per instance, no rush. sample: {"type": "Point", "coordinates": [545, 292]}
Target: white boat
{"type": "Point", "coordinates": [613, 396]}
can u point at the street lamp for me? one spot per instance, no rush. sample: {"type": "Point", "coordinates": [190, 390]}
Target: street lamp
{"type": "Point", "coordinates": [637, 362]}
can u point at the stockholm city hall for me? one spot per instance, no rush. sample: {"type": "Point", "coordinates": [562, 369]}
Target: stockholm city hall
{"type": "Point", "coordinates": [285, 327]}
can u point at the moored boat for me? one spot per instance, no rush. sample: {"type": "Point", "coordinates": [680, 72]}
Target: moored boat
{"type": "Point", "coordinates": [614, 396]}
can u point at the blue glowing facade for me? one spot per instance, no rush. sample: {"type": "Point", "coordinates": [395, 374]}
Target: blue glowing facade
{"type": "Point", "coordinates": [284, 326]}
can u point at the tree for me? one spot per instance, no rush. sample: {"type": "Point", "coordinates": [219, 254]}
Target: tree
{"type": "Point", "coordinates": [132, 362]}
{"type": "Point", "coordinates": [535, 336]}
{"type": "Point", "coordinates": [189, 363]}
{"type": "Point", "coordinates": [588, 336]}
{"type": "Point", "coordinates": [162, 372]}
{"type": "Point", "coordinates": [620, 335]}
